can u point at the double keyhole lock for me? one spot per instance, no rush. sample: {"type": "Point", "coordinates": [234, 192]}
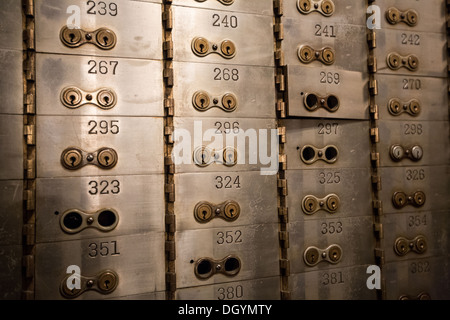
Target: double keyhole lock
{"type": "Point", "coordinates": [74, 220]}
{"type": "Point", "coordinates": [397, 107]}
{"type": "Point", "coordinates": [102, 38]}
{"type": "Point", "coordinates": [325, 7]}
{"type": "Point", "coordinates": [313, 102]}
{"type": "Point", "coordinates": [312, 204]}
{"type": "Point", "coordinates": [202, 101]}
{"type": "Point", "coordinates": [310, 154]}
{"type": "Point", "coordinates": [395, 61]}
{"type": "Point", "coordinates": [398, 153]}
{"type": "Point", "coordinates": [205, 268]}
{"type": "Point", "coordinates": [307, 54]}
{"type": "Point", "coordinates": [205, 211]}
{"type": "Point", "coordinates": [224, 2]}
{"type": "Point", "coordinates": [401, 199]}
{"type": "Point", "coordinates": [204, 156]}
{"type": "Point", "coordinates": [202, 47]}
{"type": "Point", "coordinates": [104, 282]}
{"type": "Point", "coordinates": [74, 158]}
{"type": "Point", "coordinates": [313, 255]}
{"type": "Point", "coordinates": [403, 246]}
{"type": "Point", "coordinates": [73, 98]}
{"type": "Point", "coordinates": [409, 17]}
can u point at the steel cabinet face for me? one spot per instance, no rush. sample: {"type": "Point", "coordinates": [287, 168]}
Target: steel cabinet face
{"type": "Point", "coordinates": [11, 212]}
{"type": "Point", "coordinates": [252, 99]}
{"type": "Point", "coordinates": [251, 37]}
{"type": "Point", "coordinates": [420, 231]}
{"type": "Point", "coordinates": [345, 12]}
{"type": "Point", "coordinates": [252, 253]}
{"type": "Point", "coordinates": [396, 55]}
{"type": "Point", "coordinates": [430, 15]}
{"type": "Point", "coordinates": [11, 83]}
{"type": "Point", "coordinates": [136, 203]}
{"type": "Point", "coordinates": [11, 25]}
{"type": "Point", "coordinates": [418, 279]}
{"type": "Point", "coordinates": [344, 92]}
{"type": "Point", "coordinates": [259, 289]}
{"type": "Point", "coordinates": [353, 235]}
{"type": "Point", "coordinates": [348, 42]}
{"type": "Point", "coordinates": [254, 194]}
{"type": "Point", "coordinates": [137, 260]}
{"type": "Point", "coordinates": [348, 186]}
{"type": "Point", "coordinates": [136, 141]}
{"type": "Point", "coordinates": [413, 143]}
{"type": "Point", "coordinates": [11, 136]}
{"type": "Point", "coordinates": [128, 79]}
{"type": "Point", "coordinates": [10, 272]}
{"type": "Point", "coordinates": [433, 182]}
{"type": "Point", "coordinates": [327, 144]}
{"type": "Point", "coordinates": [137, 37]}
{"type": "Point", "coordinates": [247, 6]}
{"type": "Point", "coordinates": [145, 296]}
{"type": "Point", "coordinates": [225, 144]}
{"type": "Point", "coordinates": [417, 98]}
{"type": "Point", "coordinates": [332, 284]}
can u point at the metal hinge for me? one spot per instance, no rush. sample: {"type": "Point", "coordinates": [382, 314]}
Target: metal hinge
{"type": "Point", "coordinates": [167, 19]}
{"type": "Point", "coordinates": [379, 256]}
{"type": "Point", "coordinates": [373, 87]}
{"type": "Point", "coordinates": [171, 280]}
{"type": "Point", "coordinates": [375, 158]}
{"type": "Point", "coordinates": [373, 110]}
{"type": "Point", "coordinates": [279, 57]}
{"type": "Point", "coordinates": [28, 6]}
{"type": "Point", "coordinates": [170, 223]}
{"type": "Point", "coordinates": [168, 76]}
{"type": "Point", "coordinates": [283, 214]}
{"type": "Point", "coordinates": [376, 181]}
{"type": "Point", "coordinates": [284, 239]}
{"type": "Point", "coordinates": [285, 295]}
{"type": "Point", "coordinates": [30, 168]}
{"type": "Point", "coordinates": [168, 162]}
{"type": "Point", "coordinates": [280, 81]}
{"type": "Point", "coordinates": [378, 229]}
{"type": "Point", "coordinates": [372, 39]}
{"type": "Point", "coordinates": [282, 187]}
{"type": "Point", "coordinates": [168, 132]}
{"type": "Point", "coordinates": [29, 197]}
{"type": "Point", "coordinates": [29, 101]}
{"type": "Point", "coordinates": [28, 233]}
{"type": "Point", "coordinates": [285, 267]}
{"type": "Point", "coordinates": [278, 7]}
{"type": "Point", "coordinates": [281, 108]}
{"type": "Point", "coordinates": [168, 49]}
{"type": "Point", "coordinates": [278, 29]}
{"type": "Point", "coordinates": [28, 266]}
{"type": "Point", "coordinates": [282, 134]}
{"type": "Point", "coordinates": [377, 206]}
{"type": "Point", "coordinates": [374, 135]}
{"type": "Point", "coordinates": [170, 191]}
{"type": "Point", "coordinates": [170, 250]}
{"type": "Point", "coordinates": [372, 64]}
{"type": "Point", "coordinates": [29, 132]}
{"type": "Point", "coordinates": [169, 105]}
{"type": "Point", "coordinates": [29, 67]}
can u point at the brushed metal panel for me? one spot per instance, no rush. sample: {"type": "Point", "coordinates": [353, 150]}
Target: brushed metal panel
{"type": "Point", "coordinates": [432, 63]}
{"type": "Point", "coordinates": [253, 36]}
{"type": "Point", "coordinates": [138, 201]}
{"type": "Point", "coordinates": [350, 137]}
{"type": "Point", "coordinates": [352, 186]}
{"type": "Point", "coordinates": [333, 284]}
{"type": "Point", "coordinates": [248, 6]}
{"type": "Point", "coordinates": [346, 12]}
{"type": "Point", "coordinates": [140, 265]}
{"type": "Point", "coordinates": [349, 43]}
{"type": "Point", "coordinates": [433, 181]}
{"type": "Point", "coordinates": [349, 87]}
{"type": "Point", "coordinates": [11, 142]}
{"type": "Point", "coordinates": [144, 296]}
{"type": "Point", "coordinates": [431, 14]}
{"type": "Point", "coordinates": [429, 275]}
{"type": "Point", "coordinates": [410, 225]}
{"type": "Point", "coordinates": [432, 136]}
{"type": "Point", "coordinates": [356, 240]}
{"type": "Point", "coordinates": [11, 82]}
{"type": "Point", "coordinates": [219, 133]}
{"type": "Point", "coordinates": [10, 272]}
{"type": "Point", "coordinates": [255, 194]}
{"type": "Point", "coordinates": [258, 253]}
{"type": "Point", "coordinates": [250, 85]}
{"type": "Point", "coordinates": [137, 37]}
{"type": "Point", "coordinates": [430, 92]}
{"type": "Point", "coordinates": [130, 79]}
{"type": "Point", "coordinates": [136, 155]}
{"type": "Point", "coordinates": [11, 211]}
{"type": "Point", "coordinates": [11, 24]}
{"type": "Point", "coordinates": [258, 289]}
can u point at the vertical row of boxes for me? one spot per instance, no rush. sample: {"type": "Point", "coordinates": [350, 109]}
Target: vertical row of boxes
{"type": "Point", "coordinates": [225, 205]}
{"type": "Point", "coordinates": [11, 144]}
{"type": "Point", "coordinates": [411, 53]}
{"type": "Point", "coordinates": [328, 149]}
{"type": "Point", "coordinates": [100, 170]}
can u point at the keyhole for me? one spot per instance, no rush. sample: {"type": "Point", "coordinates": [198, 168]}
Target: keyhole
{"type": "Point", "coordinates": [73, 159]}
{"type": "Point", "coordinates": [202, 102]}
{"type": "Point", "coordinates": [105, 40]}
{"type": "Point", "coordinates": [333, 205]}
{"type": "Point", "coordinates": [230, 158]}
{"type": "Point", "coordinates": [106, 100]}
{"type": "Point", "coordinates": [204, 214]}
{"type": "Point", "coordinates": [202, 47]}
{"type": "Point", "coordinates": [72, 37]}
{"type": "Point", "coordinates": [310, 206]}
{"type": "Point", "coordinates": [107, 160]}
{"type": "Point", "coordinates": [232, 213]}
{"type": "Point", "coordinates": [72, 99]}
{"type": "Point", "coordinates": [107, 282]}
{"type": "Point", "coordinates": [228, 50]}
{"type": "Point", "coordinates": [229, 103]}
